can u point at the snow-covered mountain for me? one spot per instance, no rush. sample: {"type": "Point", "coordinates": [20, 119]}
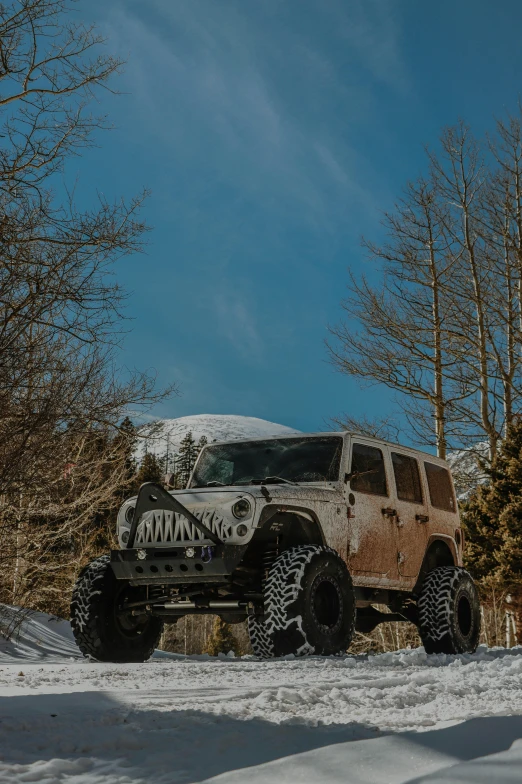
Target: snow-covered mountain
{"type": "Point", "coordinates": [467, 470]}
{"type": "Point", "coordinates": [216, 427]}
{"type": "Point", "coordinates": [467, 473]}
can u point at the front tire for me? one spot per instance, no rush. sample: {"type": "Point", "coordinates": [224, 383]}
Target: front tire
{"type": "Point", "coordinates": [100, 631]}
{"type": "Point", "coordinates": [449, 611]}
{"type": "Point", "coordinates": [309, 605]}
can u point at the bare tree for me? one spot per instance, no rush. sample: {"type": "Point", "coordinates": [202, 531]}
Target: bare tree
{"type": "Point", "coordinates": [503, 229]}
{"type": "Point", "coordinates": [443, 326]}
{"type": "Point", "coordinates": [50, 68]}
{"type": "Point", "coordinates": [406, 338]}
{"type": "Point", "coordinates": [63, 452]}
{"type": "Point", "coordinates": [460, 174]}
{"type": "Point", "coordinates": [376, 427]}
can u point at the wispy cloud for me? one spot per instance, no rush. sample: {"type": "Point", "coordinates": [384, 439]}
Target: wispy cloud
{"type": "Point", "coordinates": [237, 324]}
{"type": "Point", "coordinates": [254, 108]}
{"type": "Point", "coordinates": [372, 33]}
{"type": "Point", "coordinates": [245, 87]}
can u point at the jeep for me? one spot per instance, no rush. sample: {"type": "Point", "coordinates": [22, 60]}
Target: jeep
{"type": "Point", "coordinates": [301, 536]}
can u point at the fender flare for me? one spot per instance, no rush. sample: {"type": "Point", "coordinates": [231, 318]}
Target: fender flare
{"type": "Point", "coordinates": [449, 542]}
{"type": "Point", "coordinates": [271, 510]}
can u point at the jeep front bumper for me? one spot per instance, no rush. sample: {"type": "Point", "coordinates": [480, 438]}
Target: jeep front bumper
{"type": "Point", "coordinates": [164, 566]}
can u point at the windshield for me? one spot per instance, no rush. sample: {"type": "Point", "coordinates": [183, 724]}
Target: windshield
{"type": "Point", "coordinates": [291, 459]}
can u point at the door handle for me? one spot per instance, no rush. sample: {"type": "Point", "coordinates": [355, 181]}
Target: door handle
{"type": "Point", "coordinates": [422, 518]}
{"type": "Point", "coordinates": [389, 512]}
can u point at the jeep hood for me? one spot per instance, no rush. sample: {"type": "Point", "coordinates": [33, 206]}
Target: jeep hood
{"type": "Point", "coordinates": [294, 494]}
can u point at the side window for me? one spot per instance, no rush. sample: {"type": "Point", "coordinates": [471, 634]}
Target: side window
{"type": "Point", "coordinates": [367, 469]}
{"type": "Point", "coordinates": [439, 483]}
{"type": "Point", "coordinates": [407, 478]}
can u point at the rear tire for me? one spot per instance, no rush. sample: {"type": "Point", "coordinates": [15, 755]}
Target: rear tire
{"type": "Point", "coordinates": [99, 630]}
{"type": "Point", "coordinates": [309, 605]}
{"type": "Point", "coordinates": [449, 611]}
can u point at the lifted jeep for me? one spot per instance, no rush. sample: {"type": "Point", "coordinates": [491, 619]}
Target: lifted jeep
{"type": "Point", "coordinates": [302, 536]}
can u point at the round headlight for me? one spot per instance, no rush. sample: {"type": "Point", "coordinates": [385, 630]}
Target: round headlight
{"type": "Point", "coordinates": [241, 508]}
{"type": "Point", "coordinates": [129, 514]}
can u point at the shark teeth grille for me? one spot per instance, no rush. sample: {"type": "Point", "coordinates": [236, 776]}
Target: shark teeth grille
{"type": "Point", "coordinates": [162, 527]}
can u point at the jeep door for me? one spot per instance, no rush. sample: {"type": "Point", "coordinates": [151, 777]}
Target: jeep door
{"type": "Point", "coordinates": [372, 543]}
{"type": "Point", "coordinates": [443, 509]}
{"type": "Point", "coordinates": [411, 505]}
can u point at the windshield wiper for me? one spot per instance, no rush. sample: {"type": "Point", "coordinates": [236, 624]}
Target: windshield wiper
{"type": "Point", "coordinates": [272, 480]}
{"type": "Point", "coordinates": [215, 483]}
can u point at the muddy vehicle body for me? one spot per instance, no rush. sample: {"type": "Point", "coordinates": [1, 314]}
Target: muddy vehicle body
{"type": "Point", "coordinates": [300, 535]}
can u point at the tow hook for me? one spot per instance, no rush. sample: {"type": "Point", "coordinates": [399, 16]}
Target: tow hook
{"type": "Point", "coordinates": [207, 553]}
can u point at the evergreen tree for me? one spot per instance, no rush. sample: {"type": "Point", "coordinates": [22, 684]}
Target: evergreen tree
{"type": "Point", "coordinates": [168, 459]}
{"type": "Point", "coordinates": [221, 640]}
{"type": "Point", "coordinates": [163, 463]}
{"type": "Point", "coordinates": [149, 471]}
{"type": "Point", "coordinates": [187, 456]}
{"type": "Point", "coordinates": [492, 521]}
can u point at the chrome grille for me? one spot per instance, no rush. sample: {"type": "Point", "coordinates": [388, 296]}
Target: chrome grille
{"type": "Point", "coordinates": [163, 527]}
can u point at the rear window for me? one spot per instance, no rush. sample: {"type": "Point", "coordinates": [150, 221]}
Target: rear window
{"type": "Point", "coordinates": [407, 478]}
{"type": "Point", "coordinates": [368, 474]}
{"type": "Point", "coordinates": [441, 490]}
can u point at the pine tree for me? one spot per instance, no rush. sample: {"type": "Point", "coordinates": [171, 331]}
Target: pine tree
{"type": "Point", "coordinates": [187, 456]}
{"type": "Point", "coordinates": [221, 640]}
{"type": "Point", "coordinates": [149, 471]}
{"type": "Point", "coordinates": [492, 521]}
{"type": "Point", "coordinates": [163, 463]}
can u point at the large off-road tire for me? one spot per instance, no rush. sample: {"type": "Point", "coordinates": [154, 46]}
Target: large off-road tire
{"type": "Point", "coordinates": [99, 630]}
{"type": "Point", "coordinates": [449, 611]}
{"type": "Point", "coordinates": [309, 605]}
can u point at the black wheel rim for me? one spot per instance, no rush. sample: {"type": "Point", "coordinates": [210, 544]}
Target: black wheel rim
{"type": "Point", "coordinates": [327, 604]}
{"type": "Point", "coordinates": [128, 625]}
{"type": "Point", "coordinates": [464, 615]}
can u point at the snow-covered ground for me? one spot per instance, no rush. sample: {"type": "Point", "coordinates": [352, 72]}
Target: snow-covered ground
{"type": "Point", "coordinates": [403, 717]}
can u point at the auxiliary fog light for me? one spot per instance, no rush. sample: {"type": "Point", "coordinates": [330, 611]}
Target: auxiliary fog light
{"type": "Point", "coordinates": [190, 552]}
{"type": "Point", "coordinates": [241, 529]}
{"type": "Point", "coordinates": [125, 536]}
{"type": "Point", "coordinates": [241, 508]}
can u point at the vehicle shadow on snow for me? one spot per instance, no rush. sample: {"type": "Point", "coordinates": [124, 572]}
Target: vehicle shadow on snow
{"type": "Point", "coordinates": [109, 736]}
{"type": "Point", "coordinates": [471, 740]}
{"type": "Point", "coordinates": [103, 735]}
{"type": "Point", "coordinates": [446, 756]}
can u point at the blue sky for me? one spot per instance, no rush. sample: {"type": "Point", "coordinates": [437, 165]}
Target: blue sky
{"type": "Point", "coordinates": [272, 134]}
